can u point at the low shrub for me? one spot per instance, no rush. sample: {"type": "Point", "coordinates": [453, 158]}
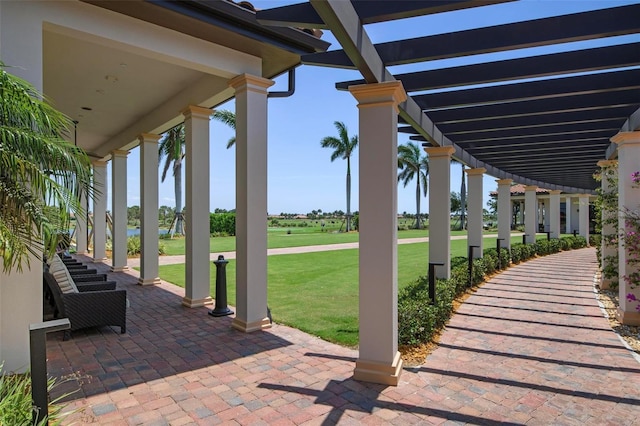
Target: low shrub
{"type": "Point", "coordinates": [419, 319]}
{"type": "Point", "coordinates": [134, 246]}
{"type": "Point", "coordinates": [222, 223]}
{"type": "Point", "coordinates": [16, 405]}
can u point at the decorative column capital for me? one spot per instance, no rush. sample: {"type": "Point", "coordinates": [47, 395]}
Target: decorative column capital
{"type": "Point", "coordinates": [475, 172]}
{"type": "Point", "coordinates": [607, 163]}
{"type": "Point", "coordinates": [504, 182]}
{"type": "Point", "coordinates": [149, 137]}
{"type": "Point", "coordinates": [119, 153]}
{"type": "Point", "coordinates": [626, 138]}
{"type": "Point", "coordinates": [250, 83]}
{"type": "Point", "coordinates": [194, 111]}
{"type": "Point", "coordinates": [98, 163]}
{"type": "Point", "coordinates": [439, 151]}
{"type": "Point", "coordinates": [379, 94]}
{"type": "Point", "coordinates": [531, 188]}
{"type": "Point", "coordinates": [555, 192]}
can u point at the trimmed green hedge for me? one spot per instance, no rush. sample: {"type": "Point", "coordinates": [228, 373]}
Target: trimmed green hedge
{"type": "Point", "coordinates": [222, 224]}
{"type": "Point", "coordinates": [419, 320]}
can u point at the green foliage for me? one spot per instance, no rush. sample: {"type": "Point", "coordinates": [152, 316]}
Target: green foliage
{"type": "Point", "coordinates": [134, 246]}
{"type": "Point", "coordinates": [16, 405]}
{"type": "Point", "coordinates": [419, 320]}
{"type": "Point", "coordinates": [222, 224]}
{"type": "Point", "coordinates": [37, 164]}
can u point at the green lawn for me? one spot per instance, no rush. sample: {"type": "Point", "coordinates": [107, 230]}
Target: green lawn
{"type": "Point", "coordinates": [279, 238]}
{"type": "Point", "coordinates": [318, 292]}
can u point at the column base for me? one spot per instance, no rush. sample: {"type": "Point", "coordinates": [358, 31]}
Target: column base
{"type": "Point", "coordinates": [148, 281]}
{"type": "Point", "coordinates": [605, 284]}
{"type": "Point", "coordinates": [99, 260]}
{"type": "Point", "coordinates": [248, 327]}
{"type": "Point", "coordinates": [119, 268]}
{"type": "Point", "coordinates": [376, 372]}
{"type": "Point", "coordinates": [196, 303]}
{"type": "Point", "coordinates": [629, 317]}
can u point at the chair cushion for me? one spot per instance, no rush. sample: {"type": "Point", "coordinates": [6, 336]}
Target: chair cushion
{"type": "Point", "coordinates": [62, 276]}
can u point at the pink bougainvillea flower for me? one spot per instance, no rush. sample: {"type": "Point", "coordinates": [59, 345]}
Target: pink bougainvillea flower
{"type": "Point", "coordinates": [632, 297]}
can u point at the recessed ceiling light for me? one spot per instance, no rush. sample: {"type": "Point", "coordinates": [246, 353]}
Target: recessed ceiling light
{"type": "Point", "coordinates": [86, 108]}
{"type": "Point", "coordinates": [100, 91]}
{"type": "Point", "coordinates": [123, 65]}
{"type": "Point", "coordinates": [111, 78]}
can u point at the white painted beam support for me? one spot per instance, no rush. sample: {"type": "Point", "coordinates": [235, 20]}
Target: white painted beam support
{"type": "Point", "coordinates": [100, 211]}
{"type": "Point", "coordinates": [82, 228]}
{"type": "Point", "coordinates": [474, 217]}
{"type": "Point", "coordinates": [628, 201]}
{"type": "Point", "coordinates": [440, 209]}
{"type": "Point", "coordinates": [379, 360]}
{"type": "Point", "coordinates": [251, 202]}
{"type": "Point", "coordinates": [149, 225]}
{"type": "Point", "coordinates": [554, 213]}
{"type": "Point", "coordinates": [505, 212]}
{"type": "Point", "coordinates": [196, 132]}
{"type": "Point", "coordinates": [567, 215]}
{"type": "Point", "coordinates": [607, 249]}
{"type": "Point", "coordinates": [530, 214]}
{"type": "Point", "coordinates": [119, 210]}
{"type": "Point", "coordinates": [584, 216]}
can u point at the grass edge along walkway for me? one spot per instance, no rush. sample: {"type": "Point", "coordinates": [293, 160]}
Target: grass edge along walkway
{"type": "Point", "coordinates": [317, 292]}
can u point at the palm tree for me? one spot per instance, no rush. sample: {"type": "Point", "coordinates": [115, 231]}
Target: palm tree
{"type": "Point", "coordinates": [414, 165]}
{"type": "Point", "coordinates": [463, 194]}
{"type": "Point", "coordinates": [37, 168]}
{"type": "Point", "coordinates": [343, 147]}
{"type": "Point", "coordinates": [228, 118]}
{"type": "Point", "coordinates": [172, 147]}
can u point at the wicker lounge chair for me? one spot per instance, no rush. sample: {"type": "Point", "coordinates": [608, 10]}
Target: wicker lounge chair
{"type": "Point", "coordinates": [86, 308]}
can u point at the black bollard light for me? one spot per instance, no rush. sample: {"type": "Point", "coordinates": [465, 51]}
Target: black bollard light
{"type": "Point", "coordinates": [221, 309]}
{"type": "Point", "coordinates": [499, 249]}
{"type": "Point", "coordinates": [471, 249]}
{"type": "Point", "coordinates": [432, 281]}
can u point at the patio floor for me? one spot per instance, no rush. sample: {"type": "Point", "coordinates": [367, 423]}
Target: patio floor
{"type": "Point", "coordinates": [529, 347]}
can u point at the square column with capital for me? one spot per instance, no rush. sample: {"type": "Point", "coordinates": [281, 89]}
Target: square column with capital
{"type": "Point", "coordinates": [440, 209]}
{"type": "Point", "coordinates": [379, 360]}
{"type": "Point", "coordinates": [251, 202]}
{"type": "Point", "coordinates": [554, 213]}
{"type": "Point", "coordinates": [583, 216]}
{"type": "Point", "coordinates": [609, 232]}
{"type": "Point", "coordinates": [196, 137]}
{"type": "Point", "coordinates": [99, 211]}
{"type": "Point", "coordinates": [530, 214]}
{"type": "Point", "coordinates": [474, 219]}
{"type": "Point", "coordinates": [628, 207]}
{"type": "Point", "coordinates": [149, 224]}
{"type": "Point", "coordinates": [505, 212]}
{"type": "Point", "coordinates": [119, 210]}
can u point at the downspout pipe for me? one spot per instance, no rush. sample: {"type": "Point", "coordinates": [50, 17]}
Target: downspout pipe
{"type": "Point", "coordinates": [288, 92]}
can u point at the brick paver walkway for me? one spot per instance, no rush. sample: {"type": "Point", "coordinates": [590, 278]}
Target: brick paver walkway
{"type": "Point", "coordinates": [529, 347]}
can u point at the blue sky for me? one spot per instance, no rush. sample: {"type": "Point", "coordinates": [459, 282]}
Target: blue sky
{"type": "Point", "coordinates": [301, 176]}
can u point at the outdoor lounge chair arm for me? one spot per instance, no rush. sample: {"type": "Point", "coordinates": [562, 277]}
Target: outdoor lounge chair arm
{"type": "Point", "coordinates": [89, 278]}
{"type": "Point", "coordinates": [96, 286]}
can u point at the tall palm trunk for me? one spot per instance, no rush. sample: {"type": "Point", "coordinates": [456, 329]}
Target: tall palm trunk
{"type": "Point", "coordinates": [418, 203]}
{"type": "Point", "coordinates": [348, 194]}
{"type": "Point", "coordinates": [178, 194]}
{"type": "Point", "coordinates": [463, 199]}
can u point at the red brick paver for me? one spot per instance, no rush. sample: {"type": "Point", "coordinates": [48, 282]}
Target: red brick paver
{"type": "Point", "coordinates": [529, 347]}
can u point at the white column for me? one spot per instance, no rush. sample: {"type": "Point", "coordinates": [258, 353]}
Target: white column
{"type": "Point", "coordinates": [567, 215]}
{"type": "Point", "coordinates": [196, 132]}
{"type": "Point", "coordinates": [379, 360]}
{"type": "Point", "coordinates": [505, 212]}
{"type": "Point", "coordinates": [474, 218]}
{"type": "Point", "coordinates": [628, 201]}
{"type": "Point", "coordinates": [584, 216]}
{"type": "Point", "coordinates": [530, 213]}
{"type": "Point", "coordinates": [99, 211]}
{"type": "Point", "coordinates": [251, 202]}
{"type": "Point", "coordinates": [119, 210]}
{"type": "Point", "coordinates": [82, 240]}
{"type": "Point", "coordinates": [609, 230]}
{"type": "Point", "coordinates": [440, 208]}
{"type": "Point", "coordinates": [20, 291]}
{"type": "Point", "coordinates": [546, 208]}
{"type": "Point", "coordinates": [554, 213]}
{"type": "Point", "coordinates": [149, 225]}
